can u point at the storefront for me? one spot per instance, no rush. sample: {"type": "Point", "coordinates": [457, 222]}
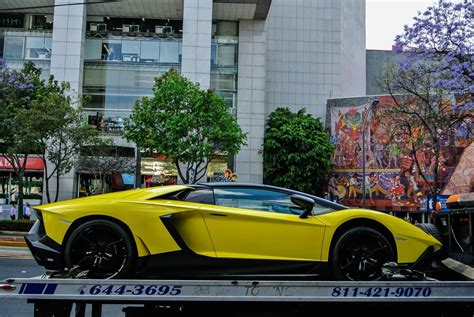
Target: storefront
{"type": "Point", "coordinates": [158, 171]}
{"type": "Point", "coordinates": [32, 182]}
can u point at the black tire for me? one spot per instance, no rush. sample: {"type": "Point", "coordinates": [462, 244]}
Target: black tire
{"type": "Point", "coordinates": [431, 229]}
{"type": "Point", "coordinates": [101, 247]}
{"type": "Point", "coordinates": [359, 255]}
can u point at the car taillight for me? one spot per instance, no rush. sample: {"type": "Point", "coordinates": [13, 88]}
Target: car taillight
{"type": "Point", "coordinates": [39, 216]}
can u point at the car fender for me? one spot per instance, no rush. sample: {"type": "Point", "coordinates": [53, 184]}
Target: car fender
{"type": "Point", "coordinates": [410, 241]}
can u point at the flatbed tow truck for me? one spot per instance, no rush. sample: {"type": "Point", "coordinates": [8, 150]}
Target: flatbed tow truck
{"type": "Point", "coordinates": [55, 295]}
{"type": "Point", "coordinates": [402, 291]}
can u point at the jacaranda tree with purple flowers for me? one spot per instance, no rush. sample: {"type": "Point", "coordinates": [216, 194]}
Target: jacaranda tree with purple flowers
{"type": "Point", "coordinates": [17, 91]}
{"type": "Point", "coordinates": [433, 85]}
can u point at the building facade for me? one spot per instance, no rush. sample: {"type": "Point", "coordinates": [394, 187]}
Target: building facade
{"type": "Point", "coordinates": [257, 54]}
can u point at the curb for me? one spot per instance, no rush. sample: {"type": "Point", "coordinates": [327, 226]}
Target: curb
{"type": "Point", "coordinates": [15, 253]}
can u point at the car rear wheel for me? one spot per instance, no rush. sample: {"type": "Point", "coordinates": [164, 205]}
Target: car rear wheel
{"type": "Point", "coordinates": [359, 255]}
{"type": "Point", "coordinates": [102, 249]}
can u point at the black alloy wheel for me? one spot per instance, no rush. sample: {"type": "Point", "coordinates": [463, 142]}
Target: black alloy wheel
{"type": "Point", "coordinates": [359, 255]}
{"type": "Point", "coordinates": [101, 247]}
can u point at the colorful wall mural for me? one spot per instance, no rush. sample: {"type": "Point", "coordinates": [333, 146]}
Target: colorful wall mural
{"type": "Point", "coordinates": [392, 181]}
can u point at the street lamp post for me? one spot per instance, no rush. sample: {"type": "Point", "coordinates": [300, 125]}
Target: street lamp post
{"type": "Point", "coordinates": [364, 118]}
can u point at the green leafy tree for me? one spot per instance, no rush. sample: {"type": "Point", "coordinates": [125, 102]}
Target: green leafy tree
{"type": "Point", "coordinates": [62, 134]}
{"type": "Point", "coordinates": [296, 151]}
{"type": "Point", "coordinates": [184, 123]}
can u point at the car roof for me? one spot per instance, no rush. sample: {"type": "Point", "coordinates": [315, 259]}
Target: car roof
{"type": "Point", "coordinates": [237, 184]}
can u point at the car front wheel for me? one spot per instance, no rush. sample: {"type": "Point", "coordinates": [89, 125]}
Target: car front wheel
{"type": "Point", "coordinates": [102, 249]}
{"type": "Point", "coordinates": [359, 255]}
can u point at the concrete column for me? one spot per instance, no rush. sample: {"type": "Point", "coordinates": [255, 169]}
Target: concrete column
{"type": "Point", "coordinates": [67, 64]}
{"type": "Point", "coordinates": [197, 27]}
{"type": "Point", "coordinates": [67, 59]}
{"type": "Point", "coordinates": [251, 98]}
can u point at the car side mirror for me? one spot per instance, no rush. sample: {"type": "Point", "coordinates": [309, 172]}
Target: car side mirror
{"type": "Point", "coordinates": [304, 202]}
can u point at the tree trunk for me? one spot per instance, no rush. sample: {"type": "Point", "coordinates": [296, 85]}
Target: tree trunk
{"type": "Point", "coordinates": [57, 188]}
{"type": "Point", "coordinates": [46, 178]}
{"type": "Point", "coordinates": [20, 174]}
{"type": "Point", "coordinates": [435, 178]}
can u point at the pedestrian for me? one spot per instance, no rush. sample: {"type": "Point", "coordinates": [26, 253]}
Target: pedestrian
{"type": "Point", "coordinates": [13, 211]}
{"type": "Point", "coordinates": [27, 211]}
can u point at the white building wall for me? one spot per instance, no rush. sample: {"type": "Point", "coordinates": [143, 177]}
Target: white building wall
{"type": "Point", "coordinates": [306, 53]}
{"type": "Point", "coordinates": [196, 54]}
{"type": "Point", "coordinates": [251, 99]}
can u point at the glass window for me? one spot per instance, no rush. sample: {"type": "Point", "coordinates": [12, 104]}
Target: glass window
{"type": "Point", "coordinates": [223, 81]}
{"type": "Point", "coordinates": [170, 52]}
{"type": "Point", "coordinates": [13, 47]}
{"type": "Point", "coordinates": [227, 28]}
{"type": "Point", "coordinates": [213, 54]}
{"type": "Point", "coordinates": [256, 199]}
{"type": "Point", "coordinates": [130, 51]}
{"type": "Point", "coordinates": [93, 49]}
{"type": "Point", "coordinates": [113, 50]}
{"type": "Point", "coordinates": [150, 51]}
{"type": "Point", "coordinates": [38, 48]}
{"type": "Point", "coordinates": [226, 55]}
{"type": "Point", "coordinates": [201, 196]}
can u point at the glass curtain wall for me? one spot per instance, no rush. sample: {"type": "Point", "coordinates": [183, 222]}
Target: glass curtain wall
{"type": "Point", "coordinates": [27, 45]}
{"type": "Point", "coordinates": [224, 60]}
{"type": "Point", "coordinates": [114, 88]}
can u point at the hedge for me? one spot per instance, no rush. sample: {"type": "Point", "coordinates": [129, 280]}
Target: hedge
{"type": "Point", "coordinates": [16, 225]}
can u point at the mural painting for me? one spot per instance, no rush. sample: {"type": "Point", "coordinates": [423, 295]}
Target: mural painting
{"type": "Point", "coordinates": [392, 181]}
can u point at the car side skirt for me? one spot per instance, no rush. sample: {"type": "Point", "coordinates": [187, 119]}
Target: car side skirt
{"type": "Point", "coordinates": [188, 264]}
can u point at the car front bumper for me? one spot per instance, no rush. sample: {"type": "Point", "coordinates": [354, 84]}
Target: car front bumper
{"type": "Point", "coordinates": [46, 251]}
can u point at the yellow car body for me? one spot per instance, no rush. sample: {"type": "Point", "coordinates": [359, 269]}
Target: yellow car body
{"type": "Point", "coordinates": [159, 223]}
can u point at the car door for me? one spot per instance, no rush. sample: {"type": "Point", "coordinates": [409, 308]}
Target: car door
{"type": "Point", "coordinates": [259, 223]}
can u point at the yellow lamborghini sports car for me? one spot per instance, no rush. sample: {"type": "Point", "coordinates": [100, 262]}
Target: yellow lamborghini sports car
{"type": "Point", "coordinates": [222, 229]}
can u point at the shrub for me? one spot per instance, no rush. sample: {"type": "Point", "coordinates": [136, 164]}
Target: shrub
{"type": "Point", "coordinates": [16, 225]}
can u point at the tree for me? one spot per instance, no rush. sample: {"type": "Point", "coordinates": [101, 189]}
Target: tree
{"type": "Point", "coordinates": [433, 85]}
{"type": "Point", "coordinates": [62, 132]}
{"type": "Point", "coordinates": [296, 151]}
{"type": "Point", "coordinates": [184, 123]}
{"type": "Point", "coordinates": [18, 91]}
{"type": "Point", "coordinates": [442, 38]}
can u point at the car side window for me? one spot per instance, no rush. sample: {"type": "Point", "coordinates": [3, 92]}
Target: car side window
{"type": "Point", "coordinates": [201, 196]}
{"type": "Point", "coordinates": [256, 199]}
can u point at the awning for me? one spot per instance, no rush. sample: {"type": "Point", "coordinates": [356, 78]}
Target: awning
{"type": "Point", "coordinates": [32, 164]}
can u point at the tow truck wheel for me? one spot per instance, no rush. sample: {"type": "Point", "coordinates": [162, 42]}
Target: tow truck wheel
{"type": "Point", "coordinates": [102, 248]}
{"type": "Point", "coordinates": [431, 229]}
{"type": "Point", "coordinates": [359, 255]}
